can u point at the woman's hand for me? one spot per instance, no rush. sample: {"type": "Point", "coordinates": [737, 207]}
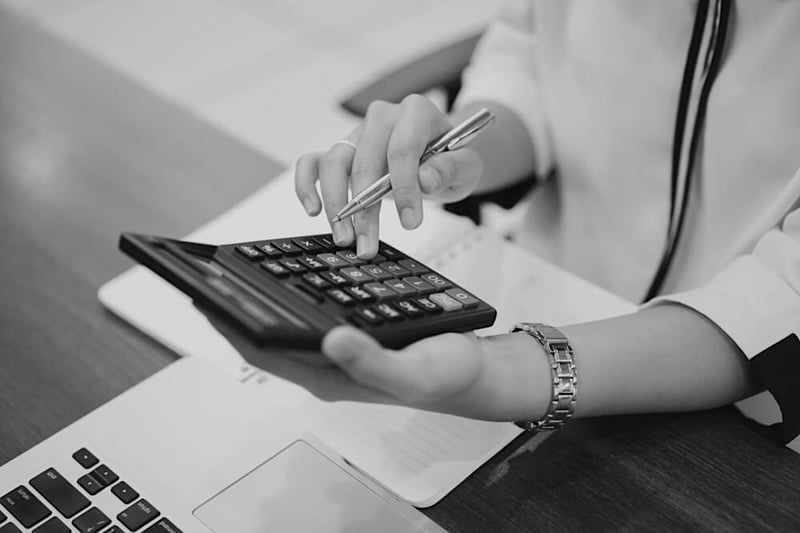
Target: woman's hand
{"type": "Point", "coordinates": [391, 139]}
{"type": "Point", "coordinates": [504, 378]}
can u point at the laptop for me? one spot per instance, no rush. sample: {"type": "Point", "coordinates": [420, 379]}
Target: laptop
{"type": "Point", "coordinates": [191, 450]}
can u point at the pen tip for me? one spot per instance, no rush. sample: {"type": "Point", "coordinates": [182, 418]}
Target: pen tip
{"type": "Point", "coordinates": [337, 218]}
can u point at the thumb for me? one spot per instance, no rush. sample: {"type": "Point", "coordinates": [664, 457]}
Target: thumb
{"type": "Point", "coordinates": [451, 176]}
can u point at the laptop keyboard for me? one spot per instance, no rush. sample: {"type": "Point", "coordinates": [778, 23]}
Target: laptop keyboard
{"type": "Point", "coordinates": [75, 510]}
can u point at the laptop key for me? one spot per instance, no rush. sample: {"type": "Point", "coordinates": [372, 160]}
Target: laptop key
{"type": "Point", "coordinates": [124, 492]}
{"type": "Point", "coordinates": [2, 517]}
{"type": "Point", "coordinates": [10, 528]}
{"type": "Point", "coordinates": [90, 484]}
{"type": "Point", "coordinates": [60, 493]}
{"type": "Point", "coordinates": [163, 526]}
{"type": "Point", "coordinates": [91, 521]}
{"type": "Point", "coordinates": [54, 525]}
{"type": "Point", "coordinates": [114, 529]}
{"type": "Point", "coordinates": [23, 505]}
{"type": "Point", "coordinates": [85, 458]}
{"type": "Point", "coordinates": [138, 514]}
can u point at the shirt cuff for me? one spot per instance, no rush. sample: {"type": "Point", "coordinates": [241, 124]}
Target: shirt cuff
{"type": "Point", "coordinates": [760, 312]}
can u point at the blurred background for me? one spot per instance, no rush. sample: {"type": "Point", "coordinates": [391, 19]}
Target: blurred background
{"type": "Point", "coordinates": [270, 73]}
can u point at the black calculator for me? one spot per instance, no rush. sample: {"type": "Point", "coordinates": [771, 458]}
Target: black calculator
{"type": "Point", "coordinates": [291, 291]}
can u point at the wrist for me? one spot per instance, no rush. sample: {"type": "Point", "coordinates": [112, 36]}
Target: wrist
{"type": "Point", "coordinates": [523, 384]}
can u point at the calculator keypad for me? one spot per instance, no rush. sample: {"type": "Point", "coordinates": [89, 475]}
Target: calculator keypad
{"type": "Point", "coordinates": [389, 288]}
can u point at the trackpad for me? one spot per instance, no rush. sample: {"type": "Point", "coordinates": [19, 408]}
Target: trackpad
{"type": "Point", "coordinates": [300, 489]}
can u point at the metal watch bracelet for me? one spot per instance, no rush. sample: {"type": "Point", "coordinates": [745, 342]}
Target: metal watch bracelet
{"type": "Point", "coordinates": [563, 376]}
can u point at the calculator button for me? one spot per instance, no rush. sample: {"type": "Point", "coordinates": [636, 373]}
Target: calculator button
{"type": "Point", "coordinates": [350, 256]}
{"type": "Point", "coordinates": [341, 297]}
{"type": "Point", "coordinates": [376, 272]}
{"type": "Point", "coordinates": [269, 249]}
{"type": "Point", "coordinates": [390, 253]}
{"type": "Point", "coordinates": [316, 281]}
{"type": "Point", "coordinates": [389, 312]}
{"type": "Point", "coordinates": [395, 269]}
{"type": "Point", "coordinates": [437, 281]}
{"type": "Point", "coordinates": [325, 242]}
{"type": "Point", "coordinates": [380, 291]}
{"type": "Point", "coordinates": [446, 302]}
{"type": "Point", "coordinates": [312, 263]}
{"type": "Point", "coordinates": [400, 287]}
{"type": "Point", "coordinates": [466, 299]}
{"type": "Point", "coordinates": [369, 315]}
{"type": "Point", "coordinates": [428, 306]}
{"type": "Point", "coordinates": [275, 268]}
{"type": "Point", "coordinates": [91, 521]}
{"type": "Point", "coordinates": [85, 458]}
{"type": "Point", "coordinates": [25, 506]}
{"type": "Point", "coordinates": [358, 276]}
{"type": "Point", "coordinates": [286, 246]}
{"type": "Point", "coordinates": [250, 252]}
{"type": "Point", "coordinates": [412, 266]}
{"type": "Point", "coordinates": [360, 294]}
{"type": "Point", "coordinates": [410, 309]}
{"type": "Point", "coordinates": [293, 264]}
{"type": "Point", "coordinates": [333, 260]}
{"type": "Point", "coordinates": [308, 244]}
{"type": "Point", "coordinates": [421, 286]}
{"type": "Point", "coordinates": [335, 278]}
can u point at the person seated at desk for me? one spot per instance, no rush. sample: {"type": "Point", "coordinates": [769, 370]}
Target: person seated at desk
{"type": "Point", "coordinates": [585, 95]}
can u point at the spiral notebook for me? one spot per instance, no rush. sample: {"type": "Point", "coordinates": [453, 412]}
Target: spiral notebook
{"type": "Point", "coordinates": [417, 455]}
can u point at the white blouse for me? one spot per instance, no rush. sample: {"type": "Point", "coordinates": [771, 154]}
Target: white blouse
{"type": "Point", "coordinates": [597, 86]}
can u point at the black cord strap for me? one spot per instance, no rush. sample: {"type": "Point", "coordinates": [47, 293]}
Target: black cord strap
{"type": "Point", "coordinates": [708, 41]}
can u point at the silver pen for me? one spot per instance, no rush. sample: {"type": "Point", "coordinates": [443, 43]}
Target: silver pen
{"type": "Point", "coordinates": [457, 137]}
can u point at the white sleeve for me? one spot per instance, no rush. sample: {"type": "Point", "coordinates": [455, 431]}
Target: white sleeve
{"type": "Point", "coordinates": [503, 70]}
{"type": "Point", "coordinates": [755, 300]}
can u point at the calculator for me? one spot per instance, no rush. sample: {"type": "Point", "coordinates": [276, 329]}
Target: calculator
{"type": "Point", "coordinates": [291, 291]}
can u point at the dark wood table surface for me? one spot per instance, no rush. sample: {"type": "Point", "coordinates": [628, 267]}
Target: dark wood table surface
{"type": "Point", "coordinates": [86, 153]}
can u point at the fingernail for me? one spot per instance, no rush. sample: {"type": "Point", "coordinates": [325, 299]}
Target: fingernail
{"type": "Point", "coordinates": [338, 234]}
{"type": "Point", "coordinates": [429, 179]}
{"type": "Point", "coordinates": [308, 205]}
{"type": "Point", "coordinates": [408, 217]}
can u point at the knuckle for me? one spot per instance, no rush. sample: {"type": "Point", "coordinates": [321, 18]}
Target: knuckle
{"type": "Point", "coordinates": [405, 191]}
{"type": "Point", "coordinates": [416, 101]}
{"type": "Point", "coordinates": [329, 162]}
{"type": "Point", "coordinates": [365, 167]}
{"type": "Point", "coordinates": [377, 109]}
{"type": "Point", "coordinates": [401, 152]}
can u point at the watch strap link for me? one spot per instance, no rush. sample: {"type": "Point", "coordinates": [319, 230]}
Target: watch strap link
{"type": "Point", "coordinates": [563, 375]}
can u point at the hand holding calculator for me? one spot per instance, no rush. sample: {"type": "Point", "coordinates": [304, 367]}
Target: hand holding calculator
{"type": "Point", "coordinates": [291, 291]}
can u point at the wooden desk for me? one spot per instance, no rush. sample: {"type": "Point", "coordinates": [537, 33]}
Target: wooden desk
{"type": "Point", "coordinates": [85, 154]}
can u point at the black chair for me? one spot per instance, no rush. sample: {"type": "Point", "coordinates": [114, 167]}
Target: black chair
{"type": "Point", "coordinates": [439, 69]}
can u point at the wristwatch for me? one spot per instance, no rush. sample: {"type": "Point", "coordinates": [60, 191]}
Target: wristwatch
{"type": "Point", "coordinates": [562, 371]}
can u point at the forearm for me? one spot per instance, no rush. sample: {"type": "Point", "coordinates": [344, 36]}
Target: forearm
{"type": "Point", "coordinates": [667, 358]}
{"type": "Point", "coordinates": [505, 148]}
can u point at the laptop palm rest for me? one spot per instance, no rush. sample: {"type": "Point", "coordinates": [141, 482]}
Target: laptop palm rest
{"type": "Point", "coordinates": [300, 489]}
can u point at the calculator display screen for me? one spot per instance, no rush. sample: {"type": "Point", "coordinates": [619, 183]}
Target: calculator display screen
{"type": "Point", "coordinates": [229, 284]}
